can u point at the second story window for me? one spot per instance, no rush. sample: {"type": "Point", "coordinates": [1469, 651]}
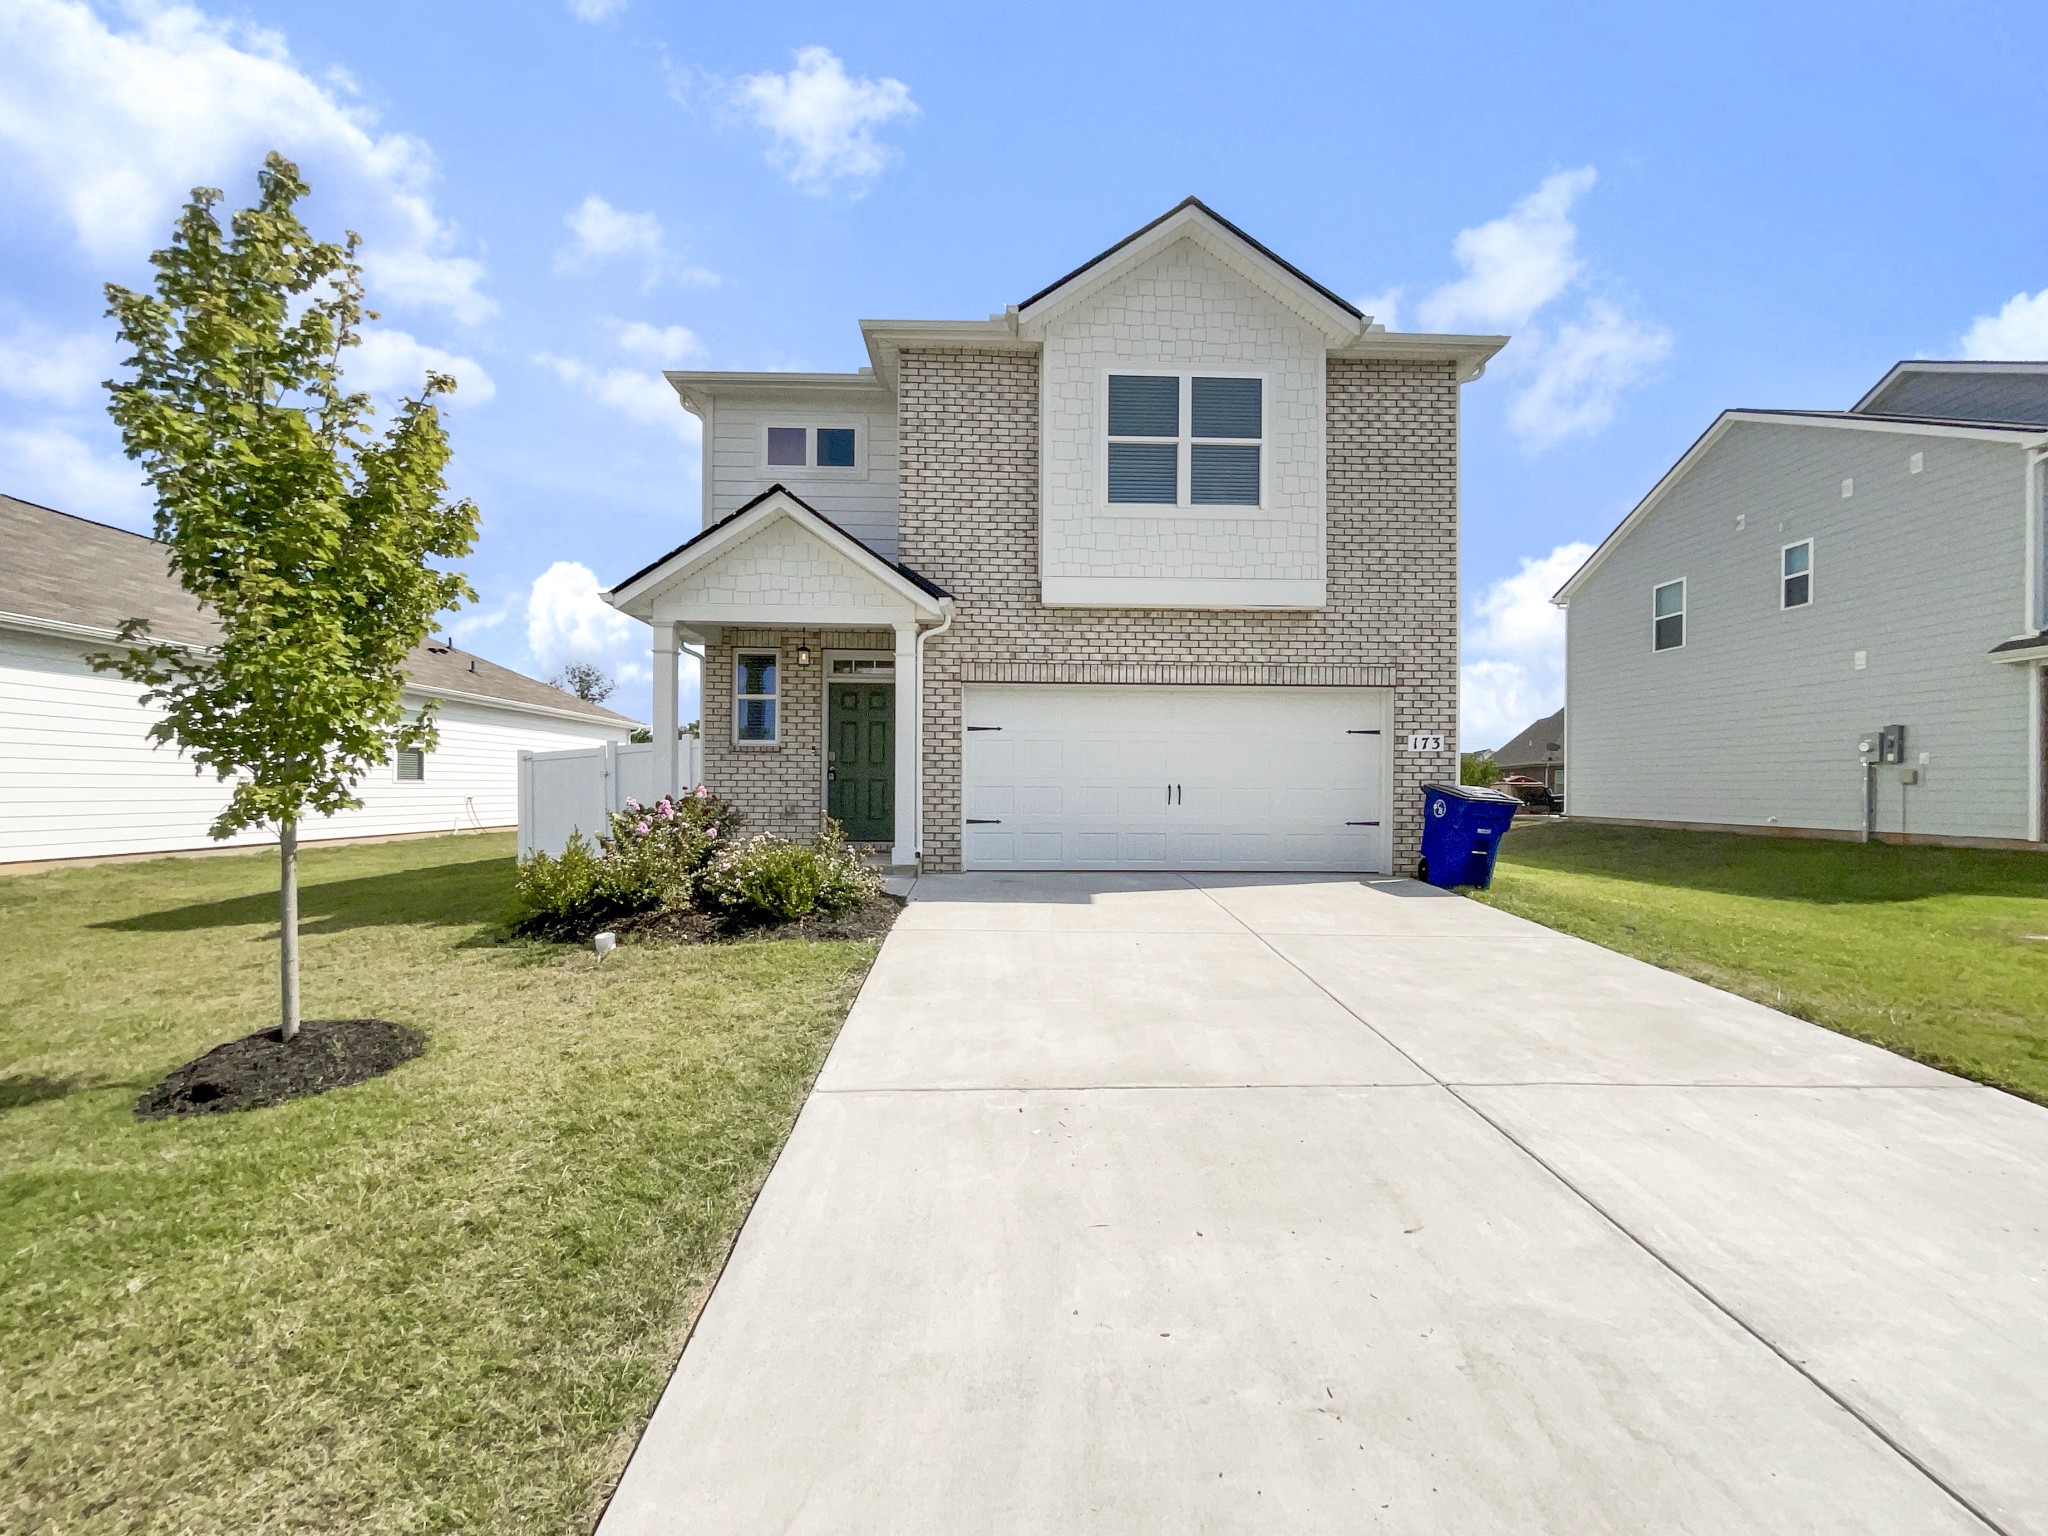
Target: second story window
{"type": "Point", "coordinates": [1667, 606]}
{"type": "Point", "coordinates": [813, 448]}
{"type": "Point", "coordinates": [1797, 590]}
{"type": "Point", "coordinates": [1185, 440]}
{"type": "Point", "coordinates": [755, 701]}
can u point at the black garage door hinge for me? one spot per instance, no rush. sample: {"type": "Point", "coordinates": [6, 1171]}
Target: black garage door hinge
{"type": "Point", "coordinates": [984, 821]}
{"type": "Point", "coordinates": [1361, 823]}
{"type": "Point", "coordinates": [984, 727]}
{"type": "Point", "coordinates": [1361, 733]}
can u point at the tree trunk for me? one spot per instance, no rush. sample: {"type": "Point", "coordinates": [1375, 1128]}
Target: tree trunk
{"type": "Point", "coordinates": [288, 929]}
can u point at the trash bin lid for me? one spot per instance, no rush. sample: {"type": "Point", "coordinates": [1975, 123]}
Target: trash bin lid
{"type": "Point", "coordinates": [1473, 792]}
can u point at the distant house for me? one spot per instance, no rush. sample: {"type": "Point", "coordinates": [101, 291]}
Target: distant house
{"type": "Point", "coordinates": [79, 775]}
{"type": "Point", "coordinates": [1537, 753]}
{"type": "Point", "coordinates": [1802, 580]}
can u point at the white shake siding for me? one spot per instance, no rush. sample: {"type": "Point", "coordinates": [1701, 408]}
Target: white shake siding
{"type": "Point", "coordinates": [80, 777]}
{"type": "Point", "coordinates": [1756, 720]}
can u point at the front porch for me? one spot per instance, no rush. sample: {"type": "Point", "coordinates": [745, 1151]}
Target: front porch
{"type": "Point", "coordinates": [811, 648]}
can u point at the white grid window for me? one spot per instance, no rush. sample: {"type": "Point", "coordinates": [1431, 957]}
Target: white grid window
{"type": "Point", "coordinates": [1667, 609]}
{"type": "Point", "coordinates": [1796, 573]}
{"type": "Point", "coordinates": [1181, 440]}
{"type": "Point", "coordinates": [756, 704]}
{"type": "Point", "coordinates": [410, 766]}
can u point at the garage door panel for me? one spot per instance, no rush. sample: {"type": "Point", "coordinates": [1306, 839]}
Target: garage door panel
{"type": "Point", "coordinates": [1266, 778]}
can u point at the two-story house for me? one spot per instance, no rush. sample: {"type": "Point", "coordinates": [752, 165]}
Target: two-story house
{"type": "Point", "coordinates": [1802, 580]}
{"type": "Point", "coordinates": [1157, 569]}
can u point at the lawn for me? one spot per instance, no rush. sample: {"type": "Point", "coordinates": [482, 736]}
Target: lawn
{"type": "Point", "coordinates": [1940, 954]}
{"type": "Point", "coordinates": [444, 1300]}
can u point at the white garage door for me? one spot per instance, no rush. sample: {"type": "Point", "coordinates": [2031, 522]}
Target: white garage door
{"type": "Point", "coordinates": [1072, 777]}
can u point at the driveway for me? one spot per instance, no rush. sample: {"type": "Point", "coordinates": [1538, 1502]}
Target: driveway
{"type": "Point", "coordinates": [1268, 1203]}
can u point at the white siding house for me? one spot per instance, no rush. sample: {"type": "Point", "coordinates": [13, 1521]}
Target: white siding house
{"type": "Point", "coordinates": [1800, 580]}
{"type": "Point", "coordinates": [80, 777]}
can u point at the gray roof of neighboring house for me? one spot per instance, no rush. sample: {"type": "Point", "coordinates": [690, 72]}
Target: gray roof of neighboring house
{"type": "Point", "coordinates": [1541, 743]}
{"type": "Point", "coordinates": [1962, 391]}
{"type": "Point", "coordinates": [66, 570]}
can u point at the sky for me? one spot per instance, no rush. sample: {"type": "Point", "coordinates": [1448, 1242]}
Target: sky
{"type": "Point", "coordinates": [1671, 210]}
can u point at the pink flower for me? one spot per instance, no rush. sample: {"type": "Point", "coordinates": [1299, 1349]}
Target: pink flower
{"type": "Point", "coordinates": [702, 791]}
{"type": "Point", "coordinates": [642, 828]}
{"type": "Point", "coordinates": [667, 809]}
{"type": "Point", "coordinates": [632, 804]}
{"type": "Point", "coordinates": [711, 832]}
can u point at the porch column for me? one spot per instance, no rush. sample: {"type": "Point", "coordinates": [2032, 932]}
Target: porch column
{"type": "Point", "coordinates": [908, 684]}
{"type": "Point", "coordinates": [665, 744]}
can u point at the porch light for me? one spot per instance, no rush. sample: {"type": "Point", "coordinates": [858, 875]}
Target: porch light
{"type": "Point", "coordinates": [803, 655]}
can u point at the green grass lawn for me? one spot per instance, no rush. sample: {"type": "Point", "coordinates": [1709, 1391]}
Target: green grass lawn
{"type": "Point", "coordinates": [444, 1300]}
{"type": "Point", "coordinates": [1940, 954]}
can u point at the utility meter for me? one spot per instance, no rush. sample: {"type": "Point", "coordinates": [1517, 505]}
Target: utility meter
{"type": "Point", "coordinates": [1891, 744]}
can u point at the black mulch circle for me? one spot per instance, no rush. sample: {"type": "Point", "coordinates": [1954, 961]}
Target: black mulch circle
{"type": "Point", "coordinates": [261, 1069]}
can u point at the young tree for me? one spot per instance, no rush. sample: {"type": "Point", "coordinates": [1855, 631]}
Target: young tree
{"type": "Point", "coordinates": [586, 681]}
{"type": "Point", "coordinates": [306, 538]}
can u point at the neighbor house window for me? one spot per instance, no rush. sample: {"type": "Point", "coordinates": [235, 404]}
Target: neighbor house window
{"type": "Point", "coordinates": [411, 766]}
{"type": "Point", "coordinates": [1798, 574]}
{"type": "Point", "coordinates": [1178, 440]}
{"type": "Point", "coordinates": [813, 448]}
{"type": "Point", "coordinates": [1668, 607]}
{"type": "Point", "coordinates": [754, 697]}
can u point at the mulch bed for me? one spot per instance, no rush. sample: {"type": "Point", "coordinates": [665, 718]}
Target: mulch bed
{"type": "Point", "coordinates": [872, 919]}
{"type": "Point", "coordinates": [261, 1069]}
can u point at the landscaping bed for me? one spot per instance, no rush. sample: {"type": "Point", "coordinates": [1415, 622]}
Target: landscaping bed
{"type": "Point", "coordinates": [263, 1069]}
{"type": "Point", "coordinates": [444, 1299]}
{"type": "Point", "coordinates": [872, 919]}
{"type": "Point", "coordinates": [1935, 953]}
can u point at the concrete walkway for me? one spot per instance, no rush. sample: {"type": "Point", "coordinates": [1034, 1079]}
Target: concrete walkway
{"type": "Point", "coordinates": [1150, 1204]}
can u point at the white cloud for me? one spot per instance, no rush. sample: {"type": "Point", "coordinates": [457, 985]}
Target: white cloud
{"type": "Point", "coordinates": [55, 467]}
{"type": "Point", "coordinates": [640, 394]}
{"type": "Point", "coordinates": [1581, 371]}
{"type": "Point", "coordinates": [595, 10]}
{"type": "Point", "coordinates": [1570, 372]}
{"type": "Point", "coordinates": [391, 362]}
{"type": "Point", "coordinates": [56, 367]}
{"type": "Point", "coordinates": [2017, 333]}
{"type": "Point", "coordinates": [1383, 308]}
{"type": "Point", "coordinates": [656, 343]}
{"type": "Point", "coordinates": [822, 122]}
{"type": "Point", "coordinates": [114, 127]}
{"type": "Point", "coordinates": [603, 233]}
{"type": "Point", "coordinates": [1513, 645]}
{"type": "Point", "coordinates": [566, 620]}
{"type": "Point", "coordinates": [1516, 264]}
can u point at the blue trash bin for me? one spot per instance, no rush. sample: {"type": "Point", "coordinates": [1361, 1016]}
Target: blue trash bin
{"type": "Point", "coordinates": [1462, 825]}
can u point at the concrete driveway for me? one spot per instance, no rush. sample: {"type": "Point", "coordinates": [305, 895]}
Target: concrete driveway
{"type": "Point", "coordinates": [1240, 1203]}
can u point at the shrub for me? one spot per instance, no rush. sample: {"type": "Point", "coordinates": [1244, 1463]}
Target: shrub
{"type": "Point", "coordinates": [1474, 769]}
{"type": "Point", "coordinates": [651, 857]}
{"type": "Point", "coordinates": [774, 879]}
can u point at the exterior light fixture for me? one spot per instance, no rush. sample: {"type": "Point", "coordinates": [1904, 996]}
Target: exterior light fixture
{"type": "Point", "coordinates": [803, 655]}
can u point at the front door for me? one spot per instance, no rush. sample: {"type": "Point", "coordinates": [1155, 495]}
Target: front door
{"type": "Point", "coordinates": [861, 760]}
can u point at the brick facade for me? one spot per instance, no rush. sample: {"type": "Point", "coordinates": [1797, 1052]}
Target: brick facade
{"type": "Point", "coordinates": [969, 521]}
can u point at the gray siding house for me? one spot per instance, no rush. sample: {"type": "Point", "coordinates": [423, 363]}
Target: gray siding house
{"type": "Point", "coordinates": [1802, 579]}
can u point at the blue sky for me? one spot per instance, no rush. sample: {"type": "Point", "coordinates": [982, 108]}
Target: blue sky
{"type": "Point", "coordinates": [1673, 211]}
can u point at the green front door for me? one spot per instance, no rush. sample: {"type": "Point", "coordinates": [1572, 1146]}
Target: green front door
{"type": "Point", "coordinates": [862, 761]}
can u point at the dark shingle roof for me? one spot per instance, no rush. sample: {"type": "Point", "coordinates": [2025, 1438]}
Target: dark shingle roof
{"type": "Point", "coordinates": [66, 570]}
{"type": "Point", "coordinates": [1541, 743]}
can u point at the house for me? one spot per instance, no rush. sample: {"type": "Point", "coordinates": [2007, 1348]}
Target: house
{"type": "Point", "coordinates": [79, 775]}
{"type": "Point", "coordinates": [1537, 753]}
{"type": "Point", "coordinates": [1156, 569]}
{"type": "Point", "coordinates": [1802, 580]}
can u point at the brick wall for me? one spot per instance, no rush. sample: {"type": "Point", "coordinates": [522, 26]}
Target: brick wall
{"type": "Point", "coordinates": [779, 788]}
{"type": "Point", "coordinates": [969, 521]}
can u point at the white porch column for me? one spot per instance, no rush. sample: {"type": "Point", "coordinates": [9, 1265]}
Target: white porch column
{"type": "Point", "coordinates": [908, 684]}
{"type": "Point", "coordinates": [666, 748]}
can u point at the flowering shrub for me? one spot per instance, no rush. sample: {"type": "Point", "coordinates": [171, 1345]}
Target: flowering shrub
{"type": "Point", "coordinates": [651, 857]}
{"type": "Point", "coordinates": [769, 877]}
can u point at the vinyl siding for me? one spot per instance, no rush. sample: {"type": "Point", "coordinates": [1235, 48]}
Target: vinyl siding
{"type": "Point", "coordinates": [1757, 718]}
{"type": "Point", "coordinates": [79, 776]}
{"type": "Point", "coordinates": [862, 500]}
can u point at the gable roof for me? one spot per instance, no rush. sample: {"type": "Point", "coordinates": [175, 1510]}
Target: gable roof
{"type": "Point", "coordinates": [2021, 434]}
{"type": "Point", "coordinates": [1961, 390]}
{"type": "Point", "coordinates": [777, 499]}
{"type": "Point", "coordinates": [70, 576]}
{"type": "Point", "coordinates": [1542, 742]}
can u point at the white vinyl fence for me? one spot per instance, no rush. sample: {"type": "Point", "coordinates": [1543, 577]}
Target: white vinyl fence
{"type": "Point", "coordinates": [565, 792]}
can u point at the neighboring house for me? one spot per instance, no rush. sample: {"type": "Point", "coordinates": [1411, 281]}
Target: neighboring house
{"type": "Point", "coordinates": [1802, 579]}
{"type": "Point", "coordinates": [1157, 569]}
{"type": "Point", "coordinates": [79, 775]}
{"type": "Point", "coordinates": [1538, 753]}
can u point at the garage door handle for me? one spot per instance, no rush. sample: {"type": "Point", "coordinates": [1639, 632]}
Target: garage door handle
{"type": "Point", "coordinates": [1361, 733]}
{"type": "Point", "coordinates": [984, 727]}
{"type": "Point", "coordinates": [1361, 823]}
{"type": "Point", "coordinates": [984, 821]}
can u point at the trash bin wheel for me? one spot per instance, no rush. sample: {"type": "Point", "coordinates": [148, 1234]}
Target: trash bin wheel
{"type": "Point", "coordinates": [1422, 869]}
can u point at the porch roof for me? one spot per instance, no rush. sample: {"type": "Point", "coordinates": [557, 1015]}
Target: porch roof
{"type": "Point", "coordinates": [636, 594]}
